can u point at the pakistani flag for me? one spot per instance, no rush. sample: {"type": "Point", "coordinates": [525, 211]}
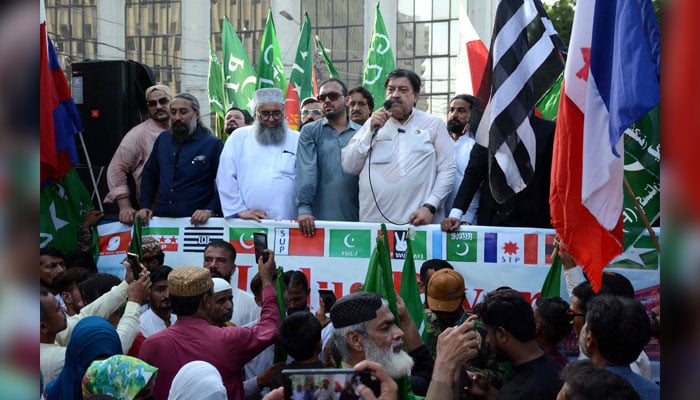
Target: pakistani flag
{"type": "Point", "coordinates": [301, 83]}
{"type": "Point", "coordinates": [270, 66]}
{"type": "Point", "coordinates": [239, 75]}
{"type": "Point", "coordinates": [217, 97]}
{"type": "Point", "coordinates": [380, 61]}
{"type": "Point", "coordinates": [329, 64]}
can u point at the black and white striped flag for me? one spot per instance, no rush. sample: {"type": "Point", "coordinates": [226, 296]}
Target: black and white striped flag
{"type": "Point", "coordinates": [523, 63]}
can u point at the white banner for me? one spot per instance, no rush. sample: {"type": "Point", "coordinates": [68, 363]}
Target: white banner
{"type": "Point", "coordinates": [337, 256]}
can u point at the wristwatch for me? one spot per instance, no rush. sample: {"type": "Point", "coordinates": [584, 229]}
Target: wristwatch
{"type": "Point", "coordinates": [430, 208]}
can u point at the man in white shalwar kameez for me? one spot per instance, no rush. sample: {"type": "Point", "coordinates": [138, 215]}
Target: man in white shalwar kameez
{"type": "Point", "coordinates": [256, 176]}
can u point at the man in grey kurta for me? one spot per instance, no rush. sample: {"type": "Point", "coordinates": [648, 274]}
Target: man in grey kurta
{"type": "Point", "coordinates": [324, 190]}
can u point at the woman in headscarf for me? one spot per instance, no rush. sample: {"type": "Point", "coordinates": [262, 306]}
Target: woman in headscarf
{"type": "Point", "coordinates": [93, 338]}
{"type": "Point", "coordinates": [197, 380]}
{"type": "Point", "coordinates": [124, 377]}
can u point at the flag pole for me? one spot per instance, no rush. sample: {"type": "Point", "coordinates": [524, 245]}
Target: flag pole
{"type": "Point", "coordinates": [638, 206]}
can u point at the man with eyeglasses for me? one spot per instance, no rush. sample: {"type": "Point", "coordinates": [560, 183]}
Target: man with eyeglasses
{"type": "Point", "coordinates": [324, 191]}
{"type": "Point", "coordinates": [311, 110]}
{"type": "Point", "coordinates": [134, 150]}
{"type": "Point", "coordinates": [256, 176]}
{"type": "Point", "coordinates": [404, 158]}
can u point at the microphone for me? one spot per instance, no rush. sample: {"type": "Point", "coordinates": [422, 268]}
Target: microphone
{"type": "Point", "coordinates": [387, 105]}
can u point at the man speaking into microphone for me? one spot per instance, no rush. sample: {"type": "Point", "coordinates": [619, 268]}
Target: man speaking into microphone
{"type": "Point", "coordinates": [404, 158]}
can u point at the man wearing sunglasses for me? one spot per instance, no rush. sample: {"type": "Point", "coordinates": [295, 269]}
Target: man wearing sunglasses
{"type": "Point", "coordinates": [324, 190]}
{"type": "Point", "coordinates": [133, 151]}
{"type": "Point", "coordinates": [311, 110]}
{"type": "Point", "coordinates": [256, 175]}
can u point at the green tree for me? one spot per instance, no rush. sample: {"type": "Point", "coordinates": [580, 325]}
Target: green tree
{"type": "Point", "coordinates": [562, 15]}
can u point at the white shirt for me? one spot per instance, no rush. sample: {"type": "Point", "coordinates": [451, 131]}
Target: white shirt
{"type": "Point", "coordinates": [152, 323]}
{"type": "Point", "coordinates": [412, 163]}
{"type": "Point", "coordinates": [245, 311]}
{"type": "Point", "coordinates": [253, 176]}
{"type": "Point", "coordinates": [463, 148]}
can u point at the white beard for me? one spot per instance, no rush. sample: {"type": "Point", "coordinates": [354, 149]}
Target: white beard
{"type": "Point", "coordinates": [270, 136]}
{"type": "Point", "coordinates": [396, 365]}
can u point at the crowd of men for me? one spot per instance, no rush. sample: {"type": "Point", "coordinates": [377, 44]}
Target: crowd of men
{"type": "Point", "coordinates": [187, 332]}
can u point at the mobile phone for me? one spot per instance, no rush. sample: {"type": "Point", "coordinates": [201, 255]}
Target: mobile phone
{"type": "Point", "coordinates": [260, 242]}
{"type": "Point", "coordinates": [311, 380]}
{"type": "Point", "coordinates": [134, 264]}
{"type": "Point", "coordinates": [328, 298]}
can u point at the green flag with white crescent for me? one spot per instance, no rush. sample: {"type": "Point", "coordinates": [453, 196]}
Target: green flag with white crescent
{"type": "Point", "coordinates": [380, 61]}
{"type": "Point", "coordinates": [270, 65]}
{"type": "Point", "coordinates": [301, 70]}
{"type": "Point", "coordinates": [239, 76]}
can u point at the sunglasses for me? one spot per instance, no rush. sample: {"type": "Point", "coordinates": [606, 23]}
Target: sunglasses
{"type": "Point", "coordinates": [332, 96]}
{"type": "Point", "coordinates": [314, 112]}
{"type": "Point", "coordinates": [277, 114]}
{"type": "Point", "coordinates": [163, 101]}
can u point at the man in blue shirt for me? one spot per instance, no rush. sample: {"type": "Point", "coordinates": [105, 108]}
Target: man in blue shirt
{"type": "Point", "coordinates": [179, 177]}
{"type": "Point", "coordinates": [616, 330]}
{"type": "Point", "coordinates": [324, 190]}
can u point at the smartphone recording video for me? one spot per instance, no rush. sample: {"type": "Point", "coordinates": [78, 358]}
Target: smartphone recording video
{"type": "Point", "coordinates": [260, 242]}
{"type": "Point", "coordinates": [326, 383]}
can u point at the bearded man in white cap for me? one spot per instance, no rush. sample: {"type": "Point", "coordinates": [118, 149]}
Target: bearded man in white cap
{"type": "Point", "coordinates": [256, 176]}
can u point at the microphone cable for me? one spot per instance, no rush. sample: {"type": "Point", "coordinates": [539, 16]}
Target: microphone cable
{"type": "Point", "coordinates": [387, 105]}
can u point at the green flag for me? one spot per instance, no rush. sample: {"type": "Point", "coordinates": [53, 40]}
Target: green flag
{"type": "Point", "coordinates": [329, 64]}
{"type": "Point", "coordinates": [301, 83]}
{"type": "Point", "coordinates": [280, 354]}
{"type": "Point", "coordinates": [409, 286]}
{"type": "Point", "coordinates": [549, 103]}
{"type": "Point", "coordinates": [270, 65]}
{"type": "Point", "coordinates": [217, 97]}
{"type": "Point", "coordinates": [239, 75]}
{"type": "Point", "coordinates": [552, 283]}
{"type": "Point", "coordinates": [642, 171]}
{"type": "Point", "coordinates": [62, 206]}
{"type": "Point", "coordinates": [380, 61]}
{"type": "Point", "coordinates": [301, 70]}
{"type": "Point", "coordinates": [379, 278]}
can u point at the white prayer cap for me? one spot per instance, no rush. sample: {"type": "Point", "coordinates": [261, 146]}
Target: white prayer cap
{"type": "Point", "coordinates": [268, 95]}
{"type": "Point", "coordinates": [220, 285]}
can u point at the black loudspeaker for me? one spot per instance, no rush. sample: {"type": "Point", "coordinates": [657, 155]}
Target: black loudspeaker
{"type": "Point", "coordinates": [110, 99]}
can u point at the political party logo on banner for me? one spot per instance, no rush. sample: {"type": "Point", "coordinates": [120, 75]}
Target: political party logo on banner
{"type": "Point", "coordinates": [242, 239]}
{"type": "Point", "coordinates": [114, 243]}
{"type": "Point", "coordinates": [198, 237]}
{"type": "Point", "coordinates": [397, 244]}
{"type": "Point", "coordinates": [353, 243]}
{"type": "Point", "coordinates": [548, 248]}
{"type": "Point", "coordinates": [641, 255]}
{"type": "Point", "coordinates": [291, 242]}
{"type": "Point", "coordinates": [510, 248]}
{"type": "Point", "coordinates": [462, 246]}
{"type": "Point", "coordinates": [167, 237]}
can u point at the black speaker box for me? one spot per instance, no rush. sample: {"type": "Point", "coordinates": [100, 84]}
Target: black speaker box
{"type": "Point", "coordinates": [110, 100]}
